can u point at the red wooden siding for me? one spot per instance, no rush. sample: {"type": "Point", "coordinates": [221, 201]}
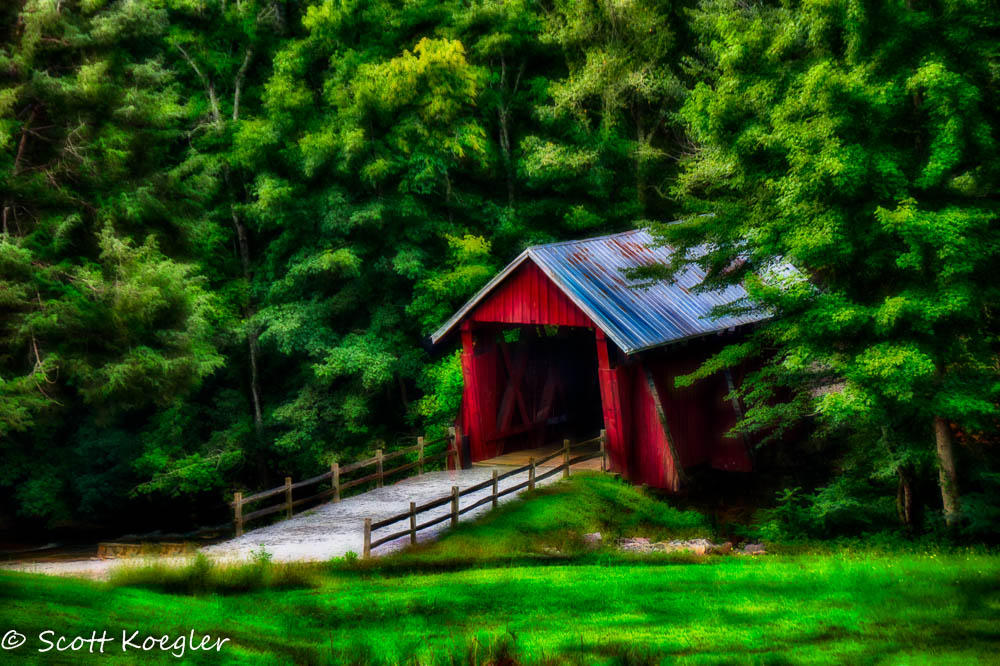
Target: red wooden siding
{"type": "Point", "coordinates": [652, 462]}
{"type": "Point", "coordinates": [479, 394]}
{"type": "Point", "coordinates": [613, 401]}
{"type": "Point", "coordinates": [528, 296]}
{"type": "Point", "coordinates": [729, 453]}
{"type": "Point", "coordinates": [699, 416]}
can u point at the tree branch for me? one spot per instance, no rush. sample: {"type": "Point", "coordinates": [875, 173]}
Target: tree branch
{"type": "Point", "coordinates": [209, 88]}
{"type": "Point", "coordinates": [24, 139]}
{"type": "Point", "coordinates": [238, 84]}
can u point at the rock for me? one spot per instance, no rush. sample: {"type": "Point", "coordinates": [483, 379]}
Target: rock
{"type": "Point", "coordinates": [693, 546]}
{"type": "Point", "coordinates": [697, 546]}
{"type": "Point", "coordinates": [754, 549]}
{"type": "Point", "coordinates": [634, 545]}
{"type": "Point", "coordinates": [592, 540]}
{"type": "Point", "coordinates": [724, 549]}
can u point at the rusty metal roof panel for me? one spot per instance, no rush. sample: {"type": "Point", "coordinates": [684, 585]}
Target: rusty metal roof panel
{"type": "Point", "coordinates": [592, 273]}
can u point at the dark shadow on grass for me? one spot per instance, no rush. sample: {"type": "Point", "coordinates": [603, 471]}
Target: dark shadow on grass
{"type": "Point", "coordinates": [414, 563]}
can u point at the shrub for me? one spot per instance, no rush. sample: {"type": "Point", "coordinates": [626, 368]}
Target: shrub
{"type": "Point", "coordinates": [846, 506]}
{"type": "Point", "coordinates": [981, 509]}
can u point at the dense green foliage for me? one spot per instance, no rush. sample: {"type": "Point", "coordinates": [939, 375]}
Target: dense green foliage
{"type": "Point", "coordinates": [228, 225]}
{"type": "Point", "coordinates": [857, 141]}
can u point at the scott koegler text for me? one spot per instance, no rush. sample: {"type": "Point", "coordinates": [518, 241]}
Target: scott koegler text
{"type": "Point", "coordinates": [128, 640]}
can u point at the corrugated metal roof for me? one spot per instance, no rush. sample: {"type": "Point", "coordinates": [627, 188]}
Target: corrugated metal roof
{"type": "Point", "coordinates": [591, 273]}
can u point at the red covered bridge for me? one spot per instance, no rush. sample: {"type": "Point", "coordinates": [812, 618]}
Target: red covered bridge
{"type": "Point", "coordinates": [561, 343]}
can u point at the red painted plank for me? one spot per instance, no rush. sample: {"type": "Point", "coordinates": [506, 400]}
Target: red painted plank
{"type": "Point", "coordinates": [528, 296]}
{"type": "Point", "coordinates": [655, 465]}
{"type": "Point", "coordinates": [611, 404]}
{"type": "Point", "coordinates": [698, 415]}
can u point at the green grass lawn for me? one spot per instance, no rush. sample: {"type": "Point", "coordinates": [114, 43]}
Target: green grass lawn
{"type": "Point", "coordinates": [442, 604]}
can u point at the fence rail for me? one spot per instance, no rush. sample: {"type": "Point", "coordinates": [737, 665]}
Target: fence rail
{"type": "Point", "coordinates": [493, 498]}
{"type": "Point", "coordinates": [337, 485]}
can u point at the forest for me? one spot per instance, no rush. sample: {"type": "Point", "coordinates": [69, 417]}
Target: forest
{"type": "Point", "coordinates": [228, 227]}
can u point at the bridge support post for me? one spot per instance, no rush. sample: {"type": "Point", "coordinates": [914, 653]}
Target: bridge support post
{"type": "Point", "coordinates": [238, 512]}
{"type": "Point", "coordinates": [288, 497]}
{"type": "Point", "coordinates": [413, 522]}
{"type": "Point", "coordinates": [496, 484]}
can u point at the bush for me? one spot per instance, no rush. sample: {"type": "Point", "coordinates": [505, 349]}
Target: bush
{"type": "Point", "coordinates": [847, 506]}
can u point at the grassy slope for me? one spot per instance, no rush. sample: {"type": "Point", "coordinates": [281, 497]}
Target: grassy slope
{"type": "Point", "coordinates": [553, 523]}
{"type": "Point", "coordinates": [852, 608]}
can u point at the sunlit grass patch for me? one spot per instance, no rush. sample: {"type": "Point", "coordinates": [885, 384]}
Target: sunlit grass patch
{"type": "Point", "coordinates": [203, 575]}
{"type": "Point", "coordinates": [549, 524]}
{"type": "Point", "coordinates": [784, 609]}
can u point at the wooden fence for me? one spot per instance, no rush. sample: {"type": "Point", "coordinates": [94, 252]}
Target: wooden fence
{"type": "Point", "coordinates": [337, 484]}
{"type": "Point", "coordinates": [493, 498]}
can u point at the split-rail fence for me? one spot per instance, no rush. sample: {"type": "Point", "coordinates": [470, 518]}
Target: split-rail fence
{"type": "Point", "coordinates": [493, 498]}
{"type": "Point", "coordinates": [337, 484]}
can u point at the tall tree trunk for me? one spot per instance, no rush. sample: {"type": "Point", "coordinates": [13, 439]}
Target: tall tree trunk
{"type": "Point", "coordinates": [904, 498]}
{"type": "Point", "coordinates": [243, 244]}
{"type": "Point", "coordinates": [503, 118]}
{"type": "Point", "coordinates": [242, 237]}
{"type": "Point", "coordinates": [905, 505]}
{"type": "Point", "coordinates": [947, 474]}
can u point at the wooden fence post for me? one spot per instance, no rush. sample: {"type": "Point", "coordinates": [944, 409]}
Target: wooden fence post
{"type": "Point", "coordinates": [288, 497]}
{"type": "Point", "coordinates": [238, 512]}
{"type": "Point", "coordinates": [495, 488]}
{"type": "Point", "coordinates": [335, 474]}
{"type": "Point", "coordinates": [531, 473]}
{"type": "Point", "coordinates": [420, 456]}
{"type": "Point", "coordinates": [454, 506]}
{"type": "Point", "coordinates": [604, 450]}
{"type": "Point", "coordinates": [565, 458]}
{"type": "Point", "coordinates": [453, 447]}
{"type": "Point", "coordinates": [413, 522]}
{"type": "Point", "coordinates": [366, 553]}
{"type": "Point", "coordinates": [378, 463]}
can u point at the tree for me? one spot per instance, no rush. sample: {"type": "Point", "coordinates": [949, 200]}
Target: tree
{"type": "Point", "coordinates": [105, 318]}
{"type": "Point", "coordinates": [858, 142]}
{"type": "Point", "coordinates": [626, 82]}
{"type": "Point", "coordinates": [221, 53]}
{"type": "Point", "coordinates": [364, 158]}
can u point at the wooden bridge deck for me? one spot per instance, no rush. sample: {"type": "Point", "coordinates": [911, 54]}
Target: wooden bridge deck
{"type": "Point", "coordinates": [521, 458]}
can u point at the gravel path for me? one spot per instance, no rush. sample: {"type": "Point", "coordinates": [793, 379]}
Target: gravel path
{"type": "Point", "coordinates": [332, 529]}
{"type": "Point", "coordinates": [329, 530]}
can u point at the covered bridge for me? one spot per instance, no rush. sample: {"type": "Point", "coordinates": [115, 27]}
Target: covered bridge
{"type": "Point", "coordinates": [561, 343]}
